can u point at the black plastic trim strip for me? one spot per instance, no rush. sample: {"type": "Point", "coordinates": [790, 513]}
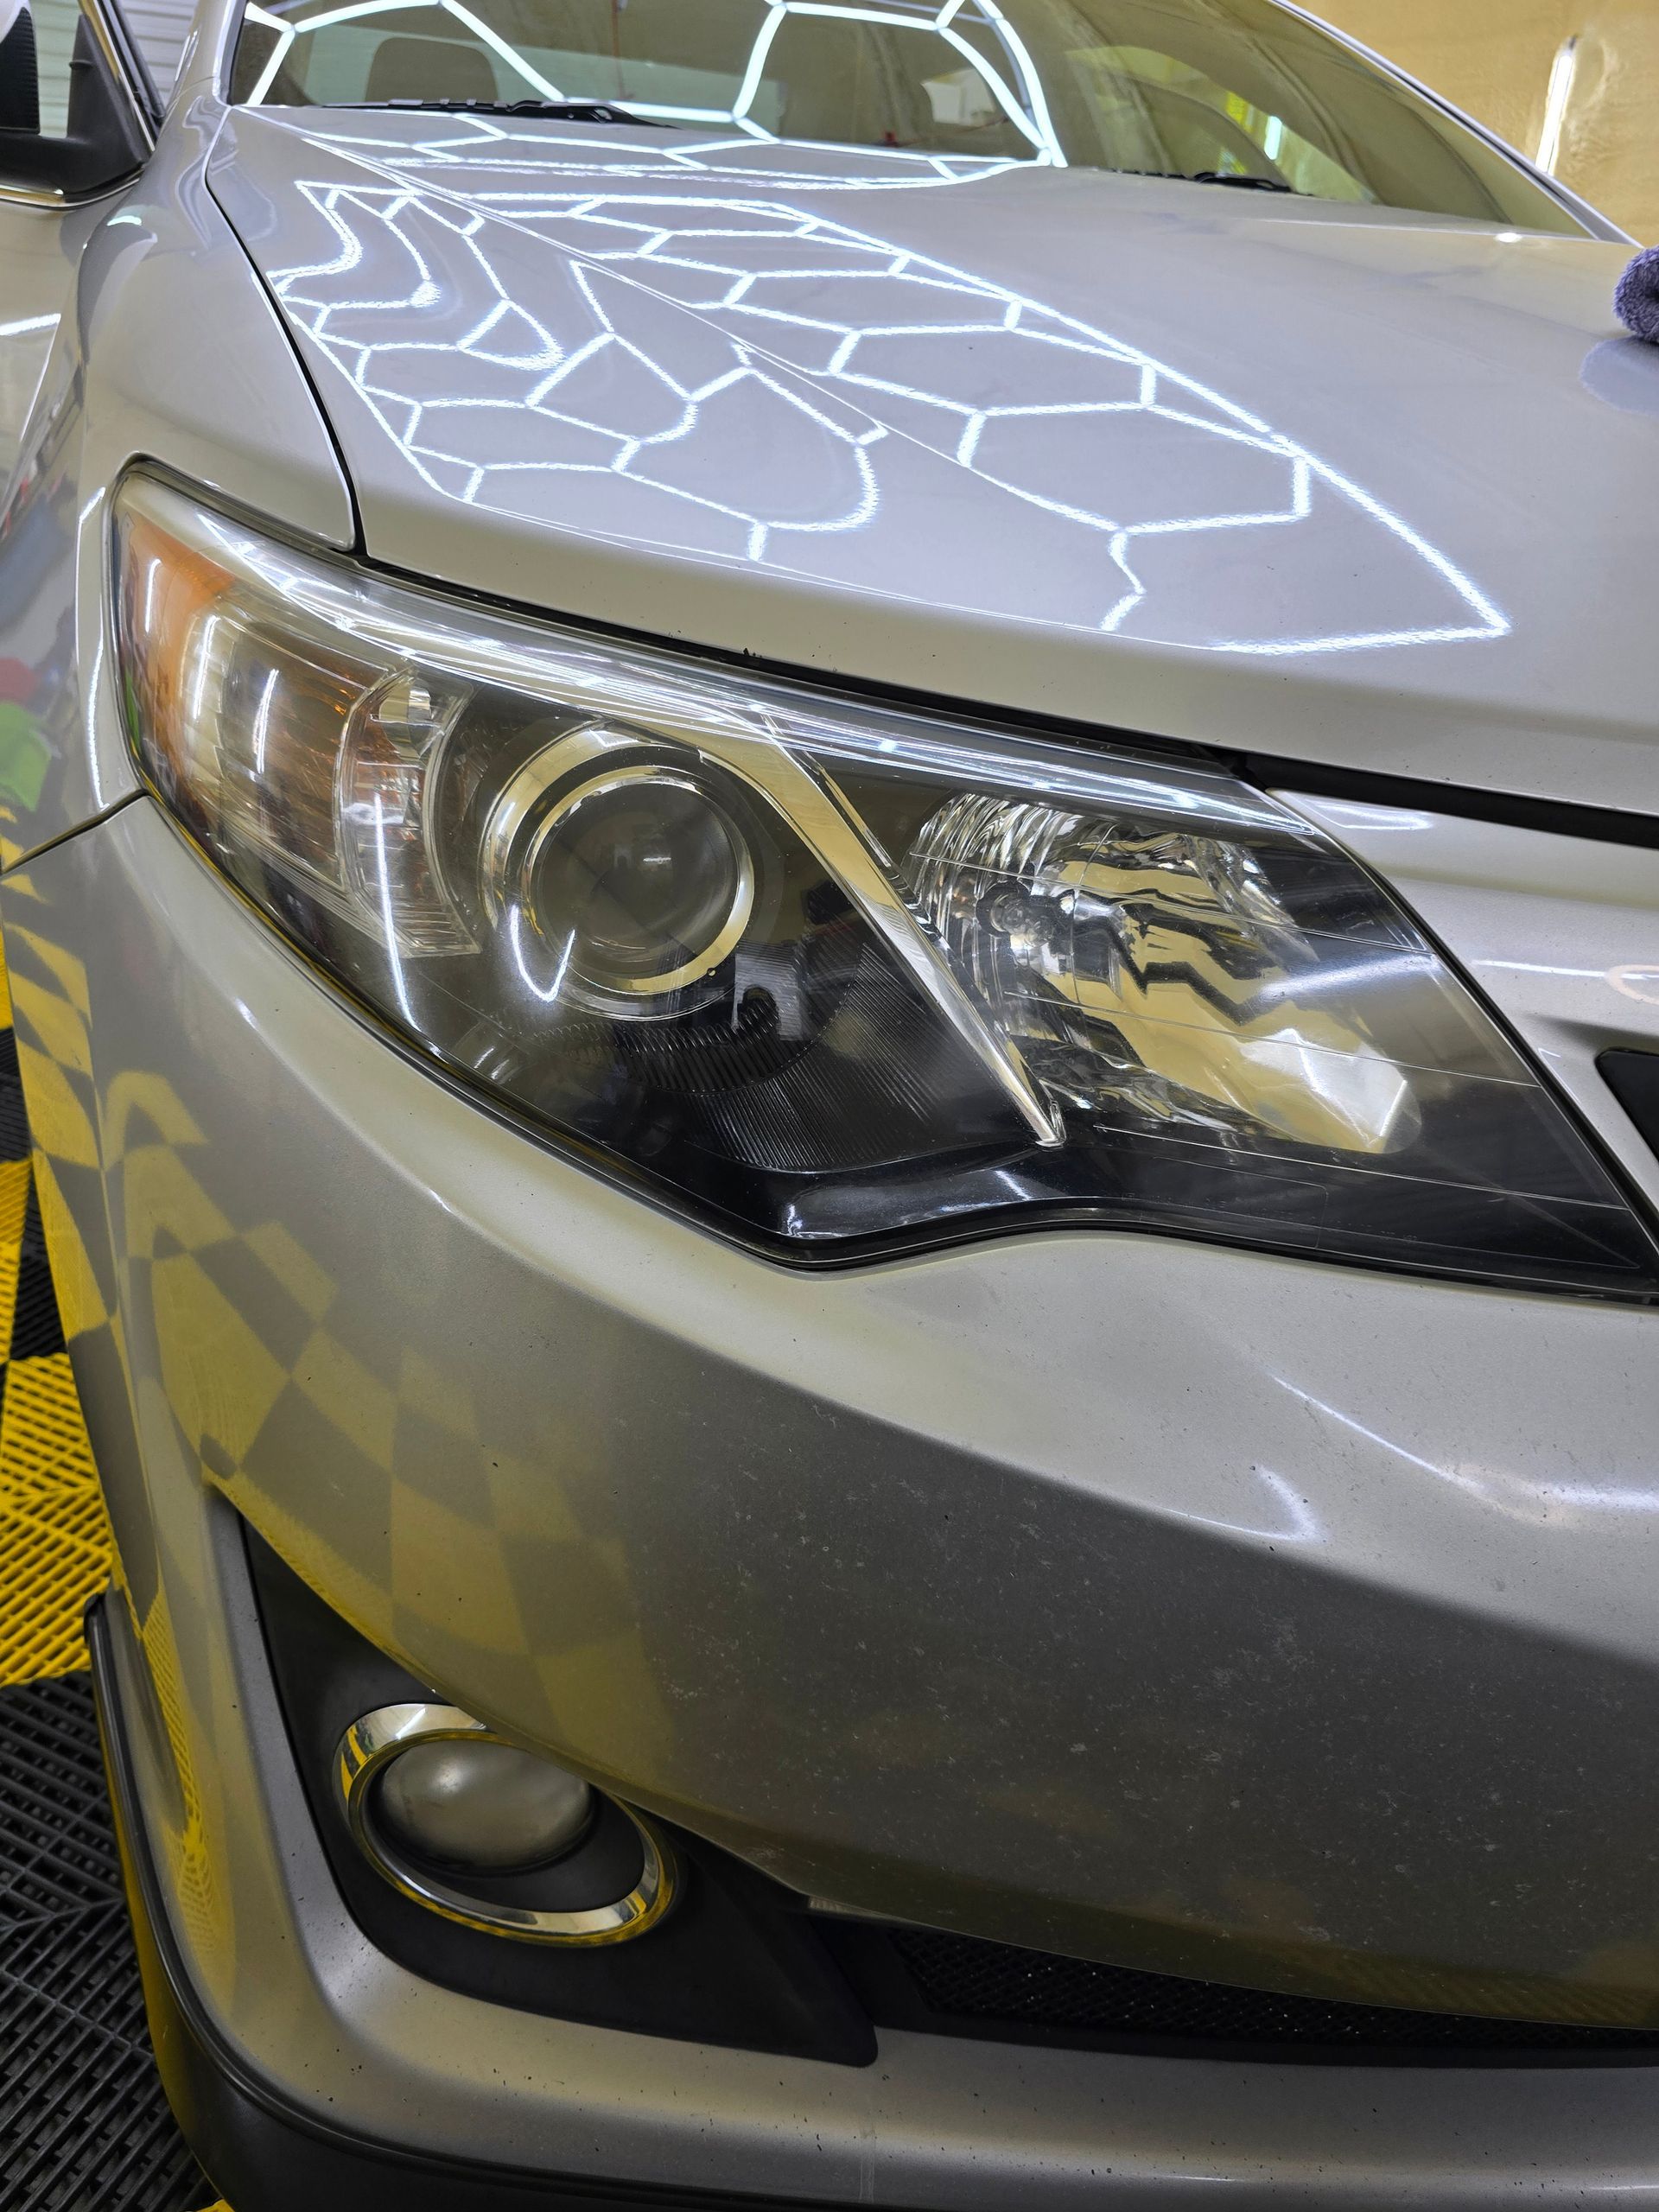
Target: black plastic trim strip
{"type": "Point", "coordinates": [268, 2154]}
{"type": "Point", "coordinates": [1632, 1076]}
{"type": "Point", "coordinates": [134, 69]}
{"type": "Point", "coordinates": [871, 1954]}
{"type": "Point", "coordinates": [1601, 825]}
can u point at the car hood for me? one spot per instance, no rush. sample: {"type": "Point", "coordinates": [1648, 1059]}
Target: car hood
{"type": "Point", "coordinates": [1328, 484]}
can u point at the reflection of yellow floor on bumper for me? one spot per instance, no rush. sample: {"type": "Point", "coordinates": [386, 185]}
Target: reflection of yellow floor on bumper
{"type": "Point", "coordinates": [55, 1553]}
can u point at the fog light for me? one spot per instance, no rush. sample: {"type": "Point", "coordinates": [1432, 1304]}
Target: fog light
{"type": "Point", "coordinates": [483, 1832]}
{"type": "Point", "coordinates": [482, 1804]}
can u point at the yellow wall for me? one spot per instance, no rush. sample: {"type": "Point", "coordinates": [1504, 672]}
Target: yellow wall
{"type": "Point", "coordinates": [1493, 58]}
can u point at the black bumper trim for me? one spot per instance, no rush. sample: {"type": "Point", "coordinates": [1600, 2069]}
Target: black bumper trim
{"type": "Point", "coordinates": [264, 2152]}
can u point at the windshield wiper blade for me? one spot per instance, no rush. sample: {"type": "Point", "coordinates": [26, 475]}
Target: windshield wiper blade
{"type": "Point", "coordinates": [1218, 176]}
{"type": "Point", "coordinates": [1245, 183]}
{"type": "Point", "coordinates": [549, 111]}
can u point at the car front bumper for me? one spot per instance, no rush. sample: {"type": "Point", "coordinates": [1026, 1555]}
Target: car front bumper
{"type": "Point", "coordinates": [1211, 1613]}
{"type": "Point", "coordinates": [316, 2069]}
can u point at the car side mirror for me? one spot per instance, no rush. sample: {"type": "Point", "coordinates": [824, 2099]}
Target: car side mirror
{"type": "Point", "coordinates": [102, 142]}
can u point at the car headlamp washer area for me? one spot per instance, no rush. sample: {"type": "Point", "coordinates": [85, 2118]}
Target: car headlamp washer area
{"type": "Point", "coordinates": [494, 1837]}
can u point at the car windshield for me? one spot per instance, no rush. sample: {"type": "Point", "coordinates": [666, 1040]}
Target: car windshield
{"type": "Point", "coordinates": [1238, 92]}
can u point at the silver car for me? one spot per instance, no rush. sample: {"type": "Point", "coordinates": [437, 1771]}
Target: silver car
{"type": "Point", "coordinates": [831, 883]}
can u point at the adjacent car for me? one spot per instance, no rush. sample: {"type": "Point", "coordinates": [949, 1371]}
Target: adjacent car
{"type": "Point", "coordinates": [830, 883]}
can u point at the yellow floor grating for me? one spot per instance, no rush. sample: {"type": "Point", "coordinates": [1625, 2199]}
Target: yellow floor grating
{"type": "Point", "coordinates": [54, 1535]}
{"type": "Point", "coordinates": [55, 1547]}
{"type": "Point", "coordinates": [55, 1540]}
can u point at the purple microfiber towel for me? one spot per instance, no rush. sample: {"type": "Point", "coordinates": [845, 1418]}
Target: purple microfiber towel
{"type": "Point", "coordinates": [1636, 300]}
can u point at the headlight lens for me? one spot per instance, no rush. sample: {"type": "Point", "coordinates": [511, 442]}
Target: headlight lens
{"type": "Point", "coordinates": [829, 973]}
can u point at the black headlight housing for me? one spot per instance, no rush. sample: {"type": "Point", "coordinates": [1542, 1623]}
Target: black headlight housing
{"type": "Point", "coordinates": [837, 978]}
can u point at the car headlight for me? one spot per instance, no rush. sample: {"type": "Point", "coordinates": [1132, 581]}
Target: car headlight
{"type": "Point", "coordinates": [828, 973]}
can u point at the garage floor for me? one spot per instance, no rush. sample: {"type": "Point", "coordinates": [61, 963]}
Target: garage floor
{"type": "Point", "coordinates": [84, 2127]}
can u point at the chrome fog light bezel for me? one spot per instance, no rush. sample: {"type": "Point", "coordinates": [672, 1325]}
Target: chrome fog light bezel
{"type": "Point", "coordinates": [375, 1739]}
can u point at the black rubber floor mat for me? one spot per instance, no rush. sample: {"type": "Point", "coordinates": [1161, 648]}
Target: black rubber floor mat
{"type": "Point", "coordinates": [84, 2127]}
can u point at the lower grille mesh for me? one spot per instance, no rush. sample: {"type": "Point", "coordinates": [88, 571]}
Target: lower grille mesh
{"type": "Point", "coordinates": [971, 1980]}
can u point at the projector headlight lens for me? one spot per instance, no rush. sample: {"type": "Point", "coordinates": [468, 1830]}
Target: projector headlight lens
{"type": "Point", "coordinates": [832, 976]}
{"type": "Point", "coordinates": [645, 878]}
{"type": "Point", "coordinates": [624, 879]}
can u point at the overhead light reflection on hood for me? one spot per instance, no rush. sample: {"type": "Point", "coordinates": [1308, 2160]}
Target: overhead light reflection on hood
{"type": "Point", "coordinates": [818, 366]}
